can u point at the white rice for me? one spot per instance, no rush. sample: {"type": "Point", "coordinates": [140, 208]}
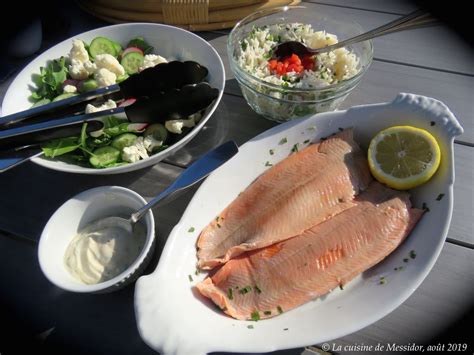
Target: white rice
{"type": "Point", "coordinates": [331, 68]}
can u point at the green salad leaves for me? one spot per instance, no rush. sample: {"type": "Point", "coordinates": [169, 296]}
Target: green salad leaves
{"type": "Point", "coordinates": [50, 80]}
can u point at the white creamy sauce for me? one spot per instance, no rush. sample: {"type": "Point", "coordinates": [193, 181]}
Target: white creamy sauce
{"type": "Point", "coordinates": [99, 253]}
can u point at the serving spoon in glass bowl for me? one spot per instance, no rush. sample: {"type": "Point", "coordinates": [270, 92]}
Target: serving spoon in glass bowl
{"type": "Point", "coordinates": [413, 20]}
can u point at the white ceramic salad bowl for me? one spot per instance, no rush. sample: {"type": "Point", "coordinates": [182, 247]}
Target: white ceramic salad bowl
{"type": "Point", "coordinates": [170, 42]}
{"type": "Point", "coordinates": [173, 318]}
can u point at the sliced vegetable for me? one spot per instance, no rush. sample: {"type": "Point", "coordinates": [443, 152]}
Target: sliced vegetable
{"type": "Point", "coordinates": [118, 47]}
{"type": "Point", "coordinates": [104, 157]}
{"type": "Point", "coordinates": [124, 140]}
{"type": "Point", "coordinates": [140, 42]}
{"type": "Point", "coordinates": [88, 85]}
{"type": "Point", "coordinates": [122, 78]}
{"type": "Point", "coordinates": [127, 102]}
{"type": "Point", "coordinates": [41, 102]}
{"type": "Point", "coordinates": [157, 131]}
{"type": "Point", "coordinates": [131, 62]}
{"type": "Point", "coordinates": [132, 49]}
{"type": "Point", "coordinates": [102, 45]}
{"type": "Point", "coordinates": [63, 96]}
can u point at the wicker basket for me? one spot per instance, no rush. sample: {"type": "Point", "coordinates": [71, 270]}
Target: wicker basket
{"type": "Point", "coordinates": [194, 15]}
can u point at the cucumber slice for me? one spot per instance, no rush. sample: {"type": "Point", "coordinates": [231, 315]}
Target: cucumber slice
{"type": "Point", "coordinates": [88, 85]}
{"type": "Point", "coordinates": [131, 62]}
{"type": "Point", "coordinates": [102, 45]}
{"type": "Point", "coordinates": [63, 96]}
{"type": "Point", "coordinates": [124, 140]}
{"type": "Point", "coordinates": [122, 78]}
{"type": "Point", "coordinates": [41, 102]}
{"type": "Point", "coordinates": [104, 156]}
{"type": "Point", "coordinates": [118, 47]}
{"type": "Point", "coordinates": [157, 131]}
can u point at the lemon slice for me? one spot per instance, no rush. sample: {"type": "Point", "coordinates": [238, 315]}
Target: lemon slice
{"type": "Point", "coordinates": [403, 157]}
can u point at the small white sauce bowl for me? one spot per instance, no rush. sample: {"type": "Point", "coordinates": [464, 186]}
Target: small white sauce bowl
{"type": "Point", "coordinates": [75, 214]}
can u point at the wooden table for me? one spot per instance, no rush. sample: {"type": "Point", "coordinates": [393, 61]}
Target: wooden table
{"type": "Point", "coordinates": [431, 61]}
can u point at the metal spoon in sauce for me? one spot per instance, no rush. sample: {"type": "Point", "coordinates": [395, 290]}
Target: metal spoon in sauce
{"type": "Point", "coordinates": [196, 172]}
{"type": "Point", "coordinates": [413, 20]}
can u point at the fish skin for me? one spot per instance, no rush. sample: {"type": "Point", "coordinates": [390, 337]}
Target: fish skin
{"type": "Point", "coordinates": [295, 271]}
{"type": "Point", "coordinates": [311, 185]}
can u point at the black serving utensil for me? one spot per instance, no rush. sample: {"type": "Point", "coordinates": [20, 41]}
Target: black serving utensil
{"type": "Point", "coordinates": [178, 103]}
{"type": "Point", "coordinates": [160, 78]}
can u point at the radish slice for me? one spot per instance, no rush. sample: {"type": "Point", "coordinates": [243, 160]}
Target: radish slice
{"type": "Point", "coordinates": [137, 127]}
{"type": "Point", "coordinates": [127, 102]}
{"type": "Point", "coordinates": [131, 49]}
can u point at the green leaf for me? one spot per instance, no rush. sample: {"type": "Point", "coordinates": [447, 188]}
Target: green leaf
{"type": "Point", "coordinates": [50, 80]}
{"type": "Point", "coordinates": [60, 146]}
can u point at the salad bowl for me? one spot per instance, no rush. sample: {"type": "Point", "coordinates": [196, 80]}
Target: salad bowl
{"type": "Point", "coordinates": [189, 323]}
{"type": "Point", "coordinates": [169, 42]}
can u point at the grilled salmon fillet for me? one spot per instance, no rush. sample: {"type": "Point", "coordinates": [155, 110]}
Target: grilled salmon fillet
{"type": "Point", "coordinates": [265, 282]}
{"type": "Point", "coordinates": [301, 191]}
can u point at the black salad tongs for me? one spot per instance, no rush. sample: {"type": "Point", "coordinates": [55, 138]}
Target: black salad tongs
{"type": "Point", "coordinates": [161, 78]}
{"type": "Point", "coordinates": [157, 108]}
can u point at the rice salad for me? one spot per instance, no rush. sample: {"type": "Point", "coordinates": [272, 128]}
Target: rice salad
{"type": "Point", "coordinates": [296, 86]}
{"type": "Point", "coordinates": [331, 68]}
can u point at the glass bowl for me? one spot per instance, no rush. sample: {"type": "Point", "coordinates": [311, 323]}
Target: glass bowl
{"type": "Point", "coordinates": [279, 103]}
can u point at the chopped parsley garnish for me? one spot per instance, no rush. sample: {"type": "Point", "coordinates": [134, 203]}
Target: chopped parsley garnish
{"type": "Point", "coordinates": [190, 230]}
{"type": "Point", "coordinates": [190, 278]}
{"type": "Point", "coordinates": [412, 254]}
{"type": "Point", "coordinates": [230, 294]}
{"type": "Point", "coordinates": [440, 196]}
{"type": "Point", "coordinates": [218, 225]}
{"type": "Point", "coordinates": [271, 151]}
{"type": "Point", "coordinates": [382, 280]}
{"type": "Point", "coordinates": [432, 123]}
{"type": "Point", "coordinates": [341, 287]}
{"type": "Point", "coordinates": [243, 44]}
{"type": "Point", "coordinates": [267, 163]}
{"type": "Point", "coordinates": [250, 326]}
{"type": "Point", "coordinates": [280, 310]}
{"type": "Point", "coordinates": [257, 289]}
{"type": "Point", "coordinates": [295, 148]}
{"type": "Point", "coordinates": [283, 141]}
{"type": "Point", "coordinates": [267, 313]}
{"type": "Point", "coordinates": [196, 272]}
{"type": "Point", "coordinates": [398, 268]}
{"type": "Point", "coordinates": [255, 316]}
{"type": "Point", "coordinates": [285, 329]}
{"type": "Point", "coordinates": [268, 55]}
{"type": "Point", "coordinates": [245, 290]}
{"type": "Point", "coordinates": [306, 141]}
{"type": "Point", "coordinates": [405, 260]}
